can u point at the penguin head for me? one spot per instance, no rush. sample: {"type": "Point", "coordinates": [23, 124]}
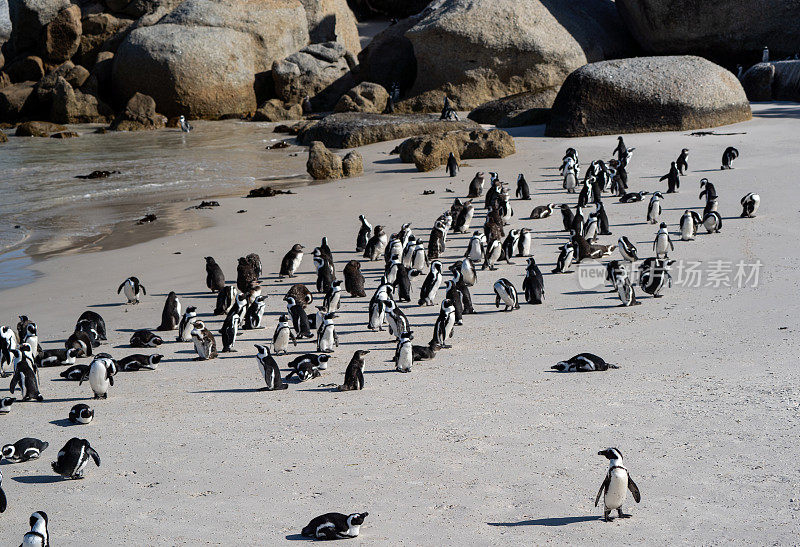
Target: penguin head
{"type": "Point", "coordinates": [199, 325]}
{"type": "Point", "coordinates": [30, 330]}
{"type": "Point", "coordinates": [324, 358]}
{"type": "Point", "coordinates": [359, 354]}
{"type": "Point", "coordinates": [262, 350]}
{"type": "Point", "coordinates": [356, 519]}
{"type": "Point", "coordinates": [8, 451]}
{"type": "Point", "coordinates": [663, 225]}
{"type": "Point", "coordinates": [155, 359]}
{"type": "Point", "coordinates": [611, 453]}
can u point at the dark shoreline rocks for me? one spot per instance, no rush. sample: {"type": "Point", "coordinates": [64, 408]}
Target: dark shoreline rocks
{"type": "Point", "coordinates": [528, 108]}
{"type": "Point", "coordinates": [431, 151]}
{"type": "Point", "coordinates": [775, 81]}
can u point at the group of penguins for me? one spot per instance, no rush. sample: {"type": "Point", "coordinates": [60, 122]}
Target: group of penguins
{"type": "Point", "coordinates": [404, 257]}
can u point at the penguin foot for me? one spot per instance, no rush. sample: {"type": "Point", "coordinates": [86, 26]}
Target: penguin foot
{"type": "Point", "coordinates": [623, 515]}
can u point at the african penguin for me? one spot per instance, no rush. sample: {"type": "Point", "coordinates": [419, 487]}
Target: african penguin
{"type": "Point", "coordinates": [133, 290]}
{"type": "Point", "coordinates": [506, 293]}
{"type": "Point", "coordinates": [204, 343]}
{"type": "Point", "coordinates": [269, 370]}
{"type": "Point", "coordinates": [24, 450]}
{"type": "Point", "coordinates": [81, 414]}
{"type": "Point", "coordinates": [616, 485]}
{"type": "Point", "coordinates": [750, 203]}
{"type": "Point", "coordinates": [72, 460]}
{"type": "Point", "coordinates": [354, 375]}
{"type": "Point", "coordinates": [283, 334]}
{"type": "Point", "coordinates": [101, 376]}
{"type": "Point", "coordinates": [583, 362]}
{"type": "Point", "coordinates": [334, 526]}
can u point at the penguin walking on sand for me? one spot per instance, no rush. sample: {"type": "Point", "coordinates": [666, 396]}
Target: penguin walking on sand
{"type": "Point", "coordinates": [72, 460]}
{"type": "Point", "coordinates": [728, 156]}
{"type": "Point", "coordinates": [682, 163]}
{"type": "Point", "coordinates": [523, 190]}
{"type": "Point", "coordinates": [524, 242]}
{"type": "Point", "coordinates": [364, 232]}
{"type": "Point", "coordinates": [565, 258]}
{"type": "Point", "coordinates": [334, 526]}
{"type": "Point", "coordinates": [269, 370]}
{"type": "Point", "coordinates": [354, 373]}
{"type": "Point", "coordinates": [444, 325]}
{"type": "Point", "coordinates": [533, 285]}
{"type": "Point", "coordinates": [229, 331]}
{"type": "Point", "coordinates": [204, 343]}
{"type": "Point", "coordinates": [662, 243]}
{"type": "Point", "coordinates": [101, 376]}
{"type": "Point", "coordinates": [690, 220]}
{"type": "Point", "coordinates": [750, 203]}
{"type": "Point", "coordinates": [567, 217]}
{"type": "Point", "coordinates": [333, 297]}
{"type": "Point", "coordinates": [282, 335]}
{"type": "Point", "coordinates": [299, 318]}
{"type": "Point", "coordinates": [215, 279]}
{"type": "Point", "coordinates": [627, 249]}
{"type": "Point", "coordinates": [430, 286]}
{"type": "Point", "coordinates": [327, 338]}
{"type": "Point", "coordinates": [603, 227]}
{"type": "Point", "coordinates": [616, 485]}
{"type": "Point", "coordinates": [291, 261]}
{"type": "Point", "coordinates": [506, 293]}
{"type": "Point", "coordinates": [452, 165]}
{"type": "Point", "coordinates": [133, 290]}
{"type": "Point", "coordinates": [396, 319]}
{"type": "Point", "coordinates": [404, 354]}
{"type": "Point", "coordinates": [494, 252]}
{"type": "Point", "coordinates": [187, 324]}
{"type": "Point", "coordinates": [622, 284]}
{"type": "Point", "coordinates": [171, 315]}
{"type": "Point", "coordinates": [476, 248]}
{"type": "Point", "coordinates": [464, 218]}
{"type": "Point", "coordinates": [39, 536]}
{"type": "Point", "coordinates": [654, 276]}
{"type": "Point", "coordinates": [654, 208]}
{"type": "Point", "coordinates": [26, 374]}
{"type": "Point", "coordinates": [8, 343]}
{"type": "Point", "coordinates": [673, 179]}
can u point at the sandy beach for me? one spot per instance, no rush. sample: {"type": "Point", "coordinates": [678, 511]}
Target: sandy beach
{"type": "Point", "coordinates": [483, 445]}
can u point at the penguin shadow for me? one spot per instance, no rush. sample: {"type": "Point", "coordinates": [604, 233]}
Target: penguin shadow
{"type": "Point", "coordinates": [552, 521]}
{"type": "Point", "coordinates": [233, 390]}
{"type": "Point", "coordinates": [707, 170]}
{"type": "Point", "coordinates": [68, 399]}
{"type": "Point", "coordinates": [63, 422]}
{"type": "Point", "coordinates": [107, 305]}
{"type": "Point", "coordinates": [197, 294]}
{"type": "Point", "coordinates": [299, 537]}
{"type": "Point", "coordinates": [582, 292]}
{"type": "Point", "coordinates": [38, 479]}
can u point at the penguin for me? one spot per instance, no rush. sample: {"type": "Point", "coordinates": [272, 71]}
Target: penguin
{"type": "Point", "coordinates": [306, 366]}
{"type": "Point", "coordinates": [301, 294]}
{"type": "Point", "coordinates": [334, 526]}
{"type": "Point", "coordinates": [24, 450]}
{"type": "Point", "coordinates": [672, 178]}
{"type": "Point", "coordinates": [567, 217]}
{"type": "Point", "coordinates": [26, 375]}
{"type": "Point", "coordinates": [452, 165]}
{"type": "Point", "coordinates": [364, 232]}
{"type": "Point", "coordinates": [590, 228]}
{"type": "Point", "coordinates": [403, 283]}
{"type": "Point", "coordinates": [226, 298]}
{"type": "Point", "coordinates": [215, 279]}
{"type": "Point", "coordinates": [229, 331]}
{"type": "Point", "coordinates": [81, 342]}
{"type": "Point", "coordinates": [81, 414]}
{"type": "Point", "coordinates": [30, 336]}
{"type": "Point", "coordinates": [463, 288]}
{"type": "Point", "coordinates": [712, 222]}
{"type": "Point", "coordinates": [453, 293]}
{"type": "Point", "coordinates": [493, 227]}
{"type": "Point", "coordinates": [654, 276]}
{"type": "Point", "coordinates": [542, 211]}
{"type": "Point", "coordinates": [681, 164]}
{"type": "Point", "coordinates": [728, 156]}
{"type": "Point", "coordinates": [533, 285]}
{"type": "Point", "coordinates": [603, 227]}
{"type": "Point", "coordinates": [583, 362]}
{"type": "Point", "coordinates": [354, 374]}
{"type": "Point", "coordinates": [327, 338]}
{"type": "Point", "coordinates": [171, 315]}
{"type": "Point", "coordinates": [184, 124]}
{"type": "Point", "coordinates": [654, 208]}
{"type": "Point", "coordinates": [708, 190]}
{"type": "Point", "coordinates": [464, 218]}
{"type": "Point", "coordinates": [376, 244]}
{"type": "Point", "coordinates": [186, 325]}
{"type": "Point", "coordinates": [246, 278]}
{"type": "Point", "coordinates": [101, 376]}
{"type": "Point", "coordinates": [436, 241]}
{"type": "Point", "coordinates": [299, 318]}
{"type": "Point", "coordinates": [133, 290]}
{"type": "Point", "coordinates": [633, 197]}
{"type": "Point", "coordinates": [662, 243]}
{"type": "Point", "coordinates": [494, 252]}
{"type": "Point", "coordinates": [569, 173]}
{"type": "Point", "coordinates": [468, 273]}
{"type": "Point", "coordinates": [58, 357]}
{"type": "Point", "coordinates": [390, 272]}
{"type": "Point", "coordinates": [627, 249]}
{"type": "Point", "coordinates": [377, 315]}
{"type": "Point", "coordinates": [476, 185]}
{"type": "Point", "coordinates": [524, 242]}
{"type": "Point", "coordinates": [625, 291]}
{"type": "Point", "coordinates": [138, 361]}
{"type": "Point", "coordinates": [283, 334]}
{"type": "Point", "coordinates": [750, 203]}
{"type": "Point", "coordinates": [404, 355]}
{"type": "Point", "coordinates": [333, 296]}
{"type": "Point", "coordinates": [204, 343]}
{"type": "Point", "coordinates": [509, 245]}
{"type": "Point", "coordinates": [8, 343]}
{"type": "Point", "coordinates": [291, 261]}
{"type": "Point", "coordinates": [254, 316]}
{"type": "Point", "coordinates": [495, 185]}
{"type": "Point", "coordinates": [144, 338]}
{"type": "Point", "coordinates": [504, 291]}
{"type": "Point", "coordinates": [72, 460]}
{"type": "Point", "coordinates": [396, 319]}
{"type": "Point", "coordinates": [430, 286]}
{"type": "Point", "coordinates": [90, 320]}
{"type": "Point", "coordinates": [325, 273]}
{"type": "Point", "coordinates": [75, 373]}
{"type": "Point", "coordinates": [504, 208]}
{"type": "Point", "coordinates": [476, 247]}
{"type": "Point", "coordinates": [689, 222]}
{"type": "Point", "coordinates": [425, 353]}
{"type": "Point", "coordinates": [5, 404]}
{"type": "Point", "coordinates": [269, 370]}
{"type": "Point", "coordinates": [621, 149]}
{"type": "Point", "coordinates": [419, 259]}
{"type": "Point", "coordinates": [565, 258]}
{"type": "Point", "coordinates": [615, 486]}
{"type": "Point", "coordinates": [586, 195]}
{"type": "Point", "coordinates": [393, 250]}
{"type": "Point", "coordinates": [3, 501]}
{"type": "Point", "coordinates": [39, 535]}
{"type": "Point", "coordinates": [445, 322]}
{"type": "Point", "coordinates": [523, 191]}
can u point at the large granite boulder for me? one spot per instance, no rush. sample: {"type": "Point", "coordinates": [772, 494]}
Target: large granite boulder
{"type": "Point", "coordinates": [430, 151]}
{"type": "Point", "coordinates": [15, 101]}
{"type": "Point", "coordinates": [777, 81]}
{"type": "Point", "coordinates": [139, 115]}
{"type": "Point", "coordinates": [38, 129]}
{"type": "Point", "coordinates": [5, 22]}
{"type": "Point", "coordinates": [477, 50]}
{"type": "Point", "coordinates": [647, 94]}
{"type": "Point", "coordinates": [332, 21]}
{"type": "Point", "coordinates": [721, 29]}
{"type": "Point", "coordinates": [514, 110]}
{"type": "Point", "coordinates": [389, 59]}
{"type": "Point", "coordinates": [71, 106]}
{"type": "Point", "coordinates": [353, 164]}
{"type": "Point", "coordinates": [275, 110]}
{"type": "Point", "coordinates": [365, 97]}
{"type": "Point", "coordinates": [323, 164]}
{"type": "Point", "coordinates": [28, 21]}
{"type": "Point", "coordinates": [62, 35]}
{"type": "Point", "coordinates": [201, 60]}
{"type": "Point", "coordinates": [388, 8]}
{"type": "Point", "coordinates": [101, 32]}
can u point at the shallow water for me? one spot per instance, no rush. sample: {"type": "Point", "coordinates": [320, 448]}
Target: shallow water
{"type": "Point", "coordinates": [45, 210]}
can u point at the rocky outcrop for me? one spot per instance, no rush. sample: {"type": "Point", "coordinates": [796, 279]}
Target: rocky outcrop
{"type": "Point", "coordinates": [429, 152]}
{"type": "Point", "coordinates": [777, 81]}
{"type": "Point", "coordinates": [322, 163]}
{"type": "Point", "coordinates": [319, 71]}
{"type": "Point", "coordinates": [139, 115]}
{"type": "Point", "coordinates": [38, 129]}
{"type": "Point", "coordinates": [353, 164]}
{"type": "Point", "coordinates": [202, 58]}
{"type": "Point", "coordinates": [647, 94]}
{"type": "Point", "coordinates": [365, 97]}
{"type": "Point", "coordinates": [72, 106]}
{"type": "Point", "coordinates": [332, 20]}
{"type": "Point", "coordinates": [275, 110]}
{"type": "Point", "coordinates": [718, 29]}
{"type": "Point", "coordinates": [28, 21]}
{"type": "Point", "coordinates": [477, 50]}
{"type": "Point", "coordinates": [101, 32]}
{"type": "Point", "coordinates": [516, 110]}
{"type": "Point", "coordinates": [15, 100]}
{"type": "Point", "coordinates": [62, 35]}
{"type": "Point", "coordinates": [389, 59]}
{"type": "Point", "coordinates": [26, 69]}
{"type": "Point", "coordinates": [388, 8]}
{"type": "Point", "coordinates": [349, 129]}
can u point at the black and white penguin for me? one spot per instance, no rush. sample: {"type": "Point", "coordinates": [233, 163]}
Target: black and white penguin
{"type": "Point", "coordinates": [187, 324]}
{"type": "Point", "coordinates": [254, 316]}
{"type": "Point", "coordinates": [269, 370]}
{"type": "Point", "coordinates": [403, 283]}
{"type": "Point", "coordinates": [325, 273]}
{"type": "Point", "coordinates": [621, 149]}
{"type": "Point", "coordinates": [565, 258]}
{"type": "Point", "coordinates": [494, 252]}
{"type": "Point", "coordinates": [171, 315]}
{"type": "Point", "coordinates": [654, 208]}
{"type": "Point", "coordinates": [81, 414]}
{"type": "Point", "coordinates": [24, 450]}
{"type": "Point", "coordinates": [58, 357]}
{"type": "Point", "coordinates": [396, 319]}
{"type": "Point", "coordinates": [39, 536]}
{"type": "Point", "coordinates": [404, 353]}
{"type": "Point", "coordinates": [204, 343]}
{"type": "Point", "coordinates": [750, 203]}
{"type": "Point", "coordinates": [425, 353]}
{"type": "Point", "coordinates": [523, 191]}
{"type": "Point", "coordinates": [30, 335]}
{"type": "Point", "coordinates": [590, 228]}
{"type": "Point", "coordinates": [184, 124]}
{"type": "Point", "coordinates": [8, 342]}
{"type": "Point", "coordinates": [627, 249]}
{"type": "Point", "coordinates": [334, 526]}
{"type": "Point", "coordinates": [506, 293]}
{"type": "Point", "coordinates": [453, 293]}
{"type": "Point", "coordinates": [26, 375]}
{"type": "Point", "coordinates": [452, 165]}
{"type": "Point", "coordinates": [226, 298]}
{"type": "Point", "coordinates": [463, 288]}
{"type": "Point", "coordinates": [333, 297]}
{"type": "Point", "coordinates": [616, 485]}
{"type": "Point", "coordinates": [299, 318]}
{"type": "Point", "coordinates": [654, 276]}
{"type": "Point", "coordinates": [76, 373]}
{"type": "Point", "coordinates": [533, 284]}
{"type": "Point", "coordinates": [5, 404]}
{"type": "Point", "coordinates": [229, 331]}
{"type": "Point", "coordinates": [354, 373]}
{"type": "Point", "coordinates": [542, 211]}
{"type": "Point", "coordinates": [376, 244]}
{"type": "Point", "coordinates": [144, 338]}
{"type": "Point", "coordinates": [291, 261]}
{"type": "Point", "coordinates": [444, 325]}
{"type": "Point", "coordinates": [101, 376]}
{"type": "Point", "coordinates": [81, 342]}
{"type": "Point", "coordinates": [633, 197]}
{"type": "Point", "coordinates": [464, 218]}
{"type": "Point", "coordinates": [307, 366]}
{"type": "Point", "coordinates": [476, 248]}
{"type": "Point", "coordinates": [72, 460]}
{"type": "Point", "coordinates": [673, 179]}
{"type": "Point", "coordinates": [681, 164]}
{"type": "Point", "coordinates": [92, 321]}
{"type": "Point", "coordinates": [712, 222]}
{"type": "Point", "coordinates": [327, 338]}
{"type": "Point", "coordinates": [139, 361]}
{"type": "Point", "coordinates": [283, 334]}
{"type": "Point", "coordinates": [430, 286]}
{"type": "Point", "coordinates": [509, 246]}
{"type": "Point", "coordinates": [603, 227]}
{"type": "Point", "coordinates": [662, 244]}
{"type": "Point", "coordinates": [495, 186]}
{"type": "Point", "coordinates": [728, 156]}
{"type": "Point", "coordinates": [3, 500]}
{"type": "Point", "coordinates": [583, 362]}
{"type": "Point", "coordinates": [364, 232]}
{"type": "Point", "coordinates": [133, 290]}
{"type": "Point", "coordinates": [475, 189]}
{"type": "Point", "coordinates": [690, 220]}
{"type": "Point", "coordinates": [215, 279]}
{"type": "Point", "coordinates": [524, 242]}
{"type": "Point", "coordinates": [567, 217]}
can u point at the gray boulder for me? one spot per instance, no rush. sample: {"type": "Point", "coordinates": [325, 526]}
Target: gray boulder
{"type": "Point", "coordinates": [70, 106]}
{"type": "Point", "coordinates": [275, 110]}
{"type": "Point", "coordinates": [647, 94]}
{"type": "Point", "coordinates": [15, 101]}
{"type": "Point", "coordinates": [353, 164]}
{"type": "Point", "coordinates": [777, 81]}
{"type": "Point", "coordinates": [62, 35]}
{"type": "Point", "coordinates": [28, 21]}
{"type": "Point", "coordinates": [323, 164]}
{"type": "Point", "coordinates": [332, 20]}
{"type": "Point", "coordinates": [139, 115]}
{"type": "Point", "coordinates": [389, 58]}
{"type": "Point", "coordinates": [365, 97]}
{"type": "Point", "coordinates": [38, 129]}
{"type": "Point", "coordinates": [515, 110]}
{"type": "Point", "coordinates": [431, 151]}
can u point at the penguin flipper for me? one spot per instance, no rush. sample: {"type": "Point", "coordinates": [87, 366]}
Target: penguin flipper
{"type": "Point", "coordinates": [3, 503]}
{"type": "Point", "coordinates": [604, 487]}
{"type": "Point", "coordinates": [634, 489]}
{"type": "Point", "coordinates": [96, 457]}
{"type": "Point", "coordinates": [119, 290]}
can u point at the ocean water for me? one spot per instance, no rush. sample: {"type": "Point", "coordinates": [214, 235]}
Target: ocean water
{"type": "Point", "coordinates": [45, 210]}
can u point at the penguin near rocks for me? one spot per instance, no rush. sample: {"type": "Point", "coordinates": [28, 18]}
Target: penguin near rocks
{"type": "Point", "coordinates": [543, 211]}
{"type": "Point", "coordinates": [654, 276]}
{"type": "Point", "coordinates": [81, 414]}
{"type": "Point", "coordinates": [72, 460]}
{"type": "Point", "coordinates": [133, 290]}
{"type": "Point", "coordinates": [229, 331]}
{"type": "Point", "coordinates": [139, 361]}
{"type": "Point", "coordinates": [475, 189]}
{"type": "Point", "coordinates": [627, 249]}
{"type": "Point", "coordinates": [334, 526]}
{"type": "Point", "coordinates": [444, 325]}
{"type": "Point", "coordinates": [282, 335]}
{"type": "Point", "coordinates": [430, 286]}
{"type": "Point", "coordinates": [750, 203]}
{"type": "Point", "coordinates": [565, 259]}
{"type": "Point", "coordinates": [616, 485]}
{"type": "Point", "coordinates": [101, 376]}
{"type": "Point", "coordinates": [506, 293]}
{"type": "Point", "coordinates": [204, 343]}
{"type": "Point", "coordinates": [654, 208]}
{"type": "Point", "coordinates": [24, 450]}
{"type": "Point", "coordinates": [215, 279]}
{"type": "Point", "coordinates": [712, 222]}
{"type": "Point", "coordinates": [269, 370]}
{"type": "Point", "coordinates": [690, 220]}
{"type": "Point", "coordinates": [327, 338]}
{"type": "Point", "coordinates": [452, 165]}
{"type": "Point", "coordinates": [26, 375]}
{"type": "Point", "coordinates": [404, 354]}
{"type": "Point", "coordinates": [363, 235]}
{"type": "Point", "coordinates": [354, 373]}
{"type": "Point", "coordinates": [5, 404]}
{"type": "Point", "coordinates": [672, 178]}
{"type": "Point", "coordinates": [523, 191]}
{"type": "Point", "coordinates": [171, 315]}
{"type": "Point", "coordinates": [92, 322]}
{"type": "Point", "coordinates": [533, 284]}
{"type": "Point", "coordinates": [299, 317]}
{"type": "Point", "coordinates": [39, 536]}
{"type": "Point", "coordinates": [291, 261]}
{"type": "Point", "coordinates": [187, 324]}
{"type": "Point", "coordinates": [728, 156]}
{"type": "Point", "coordinates": [583, 362]}
{"type": "Point", "coordinates": [144, 338]}
{"type": "Point", "coordinates": [58, 357]}
{"type": "Point", "coordinates": [682, 164]}
{"type": "Point", "coordinates": [662, 243]}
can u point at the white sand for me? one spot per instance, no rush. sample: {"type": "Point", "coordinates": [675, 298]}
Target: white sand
{"type": "Point", "coordinates": [483, 445]}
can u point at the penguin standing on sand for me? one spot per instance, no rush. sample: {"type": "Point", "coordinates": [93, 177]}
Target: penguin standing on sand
{"type": "Point", "coordinates": [269, 370]}
{"type": "Point", "coordinates": [229, 331]}
{"type": "Point", "coordinates": [624, 287]}
{"type": "Point", "coordinates": [291, 261]}
{"type": "Point", "coordinates": [225, 300]}
{"type": "Point", "coordinates": [364, 232]}
{"type": "Point", "coordinates": [186, 325]}
{"type": "Point", "coordinates": [750, 203]}
{"type": "Point", "coordinates": [654, 276]}
{"type": "Point", "coordinates": [690, 220]}
{"type": "Point", "coordinates": [654, 208]}
{"type": "Point", "coordinates": [376, 244]}
{"type": "Point", "coordinates": [204, 343]}
{"type": "Point", "coordinates": [430, 286]}
{"type": "Point", "coordinates": [299, 318]}
{"type": "Point", "coordinates": [681, 163]}
{"type": "Point", "coordinates": [662, 243]}
{"type": "Point", "coordinates": [565, 258]}
{"type": "Point", "coordinates": [327, 338]}
{"type": "Point", "coordinates": [354, 373]}
{"type": "Point", "coordinates": [728, 156]}
{"type": "Point", "coordinates": [354, 279]}
{"type": "Point", "coordinates": [334, 526]}
{"type": "Point", "coordinates": [476, 185]}
{"type": "Point", "coordinates": [567, 217]}
{"type": "Point", "coordinates": [616, 485]}
{"type": "Point", "coordinates": [404, 354]}
{"type": "Point", "coordinates": [533, 285]}
{"type": "Point", "coordinates": [452, 165]}
{"type": "Point", "coordinates": [506, 293]}
{"type": "Point", "coordinates": [453, 293]}
{"type": "Point", "coordinates": [377, 314]}
{"type": "Point", "coordinates": [171, 316]}
{"type": "Point", "coordinates": [524, 242]}
{"type": "Point", "coordinates": [493, 253]}
{"type": "Point", "coordinates": [463, 287]}
{"type": "Point", "coordinates": [74, 457]}
{"type": "Point", "coordinates": [101, 376]}
{"type": "Point", "coordinates": [283, 334]}
{"type": "Point", "coordinates": [38, 536]}
{"type": "Point", "coordinates": [712, 222]}
{"type": "Point", "coordinates": [603, 227]}
{"type": "Point", "coordinates": [476, 248]}
{"type": "Point", "coordinates": [254, 317]}
{"type": "Point", "coordinates": [523, 191]}
{"type": "Point", "coordinates": [8, 343]}
{"type": "Point", "coordinates": [184, 124]}
{"type": "Point", "coordinates": [445, 322]}
{"type": "Point", "coordinates": [333, 297]}
{"type": "Point", "coordinates": [673, 179]}
{"type": "Point", "coordinates": [3, 502]}
{"type": "Point", "coordinates": [26, 375]}
{"type": "Point", "coordinates": [621, 149]}
{"type": "Point", "coordinates": [133, 290]}
{"type": "Point", "coordinates": [215, 279]}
